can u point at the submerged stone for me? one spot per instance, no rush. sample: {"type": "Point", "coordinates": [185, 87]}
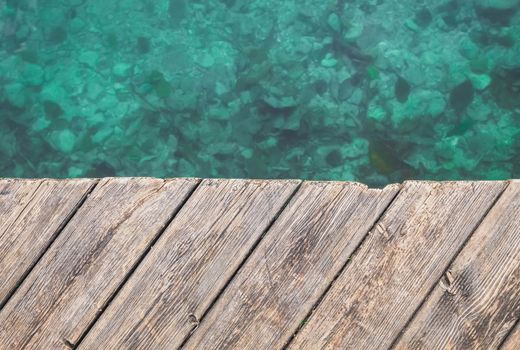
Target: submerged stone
{"type": "Point", "coordinates": [161, 86]}
{"type": "Point", "coordinates": [461, 96]}
{"type": "Point", "coordinates": [334, 22]}
{"type": "Point", "coordinates": [177, 9]}
{"type": "Point", "coordinates": [334, 158]}
{"type": "Point", "coordinates": [57, 35]}
{"type": "Point", "coordinates": [480, 81]}
{"type": "Point", "coordinates": [52, 109]}
{"type": "Point", "coordinates": [63, 140]}
{"type": "Point", "coordinates": [497, 11]}
{"type": "Point", "coordinates": [16, 94]}
{"type": "Point", "coordinates": [329, 61]}
{"type": "Point", "coordinates": [402, 90]}
{"type": "Point", "coordinates": [143, 45]}
{"type": "Point", "coordinates": [122, 70]}
{"type": "Point", "coordinates": [505, 88]}
{"type": "Point", "coordinates": [497, 4]}
{"type": "Point", "coordinates": [423, 17]}
{"type": "Point", "coordinates": [33, 74]}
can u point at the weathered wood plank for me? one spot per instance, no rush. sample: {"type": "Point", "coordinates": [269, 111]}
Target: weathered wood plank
{"type": "Point", "coordinates": [87, 262]}
{"type": "Point", "coordinates": [513, 340]}
{"type": "Point", "coordinates": [292, 266]}
{"type": "Point", "coordinates": [190, 264]}
{"type": "Point", "coordinates": [32, 213]}
{"type": "Point", "coordinates": [478, 301]}
{"type": "Point", "coordinates": [395, 268]}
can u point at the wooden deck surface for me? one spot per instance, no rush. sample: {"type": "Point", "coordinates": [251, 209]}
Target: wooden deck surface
{"type": "Point", "coordinates": [143, 263]}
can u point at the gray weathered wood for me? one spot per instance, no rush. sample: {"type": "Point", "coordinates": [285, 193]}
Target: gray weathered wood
{"type": "Point", "coordinates": [292, 266]}
{"type": "Point", "coordinates": [478, 301]}
{"type": "Point", "coordinates": [396, 267]}
{"type": "Point", "coordinates": [513, 340]}
{"type": "Point", "coordinates": [32, 212]}
{"type": "Point", "coordinates": [87, 262]}
{"type": "Point", "coordinates": [190, 264]}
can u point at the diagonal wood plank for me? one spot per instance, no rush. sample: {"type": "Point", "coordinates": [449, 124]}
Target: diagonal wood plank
{"type": "Point", "coordinates": [396, 267]}
{"type": "Point", "coordinates": [478, 301]}
{"type": "Point", "coordinates": [190, 264]}
{"type": "Point", "coordinates": [292, 266]}
{"type": "Point", "coordinates": [32, 213]}
{"type": "Point", "coordinates": [513, 340]}
{"type": "Point", "coordinates": [87, 262]}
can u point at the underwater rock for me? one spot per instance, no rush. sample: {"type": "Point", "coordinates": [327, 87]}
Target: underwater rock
{"type": "Point", "coordinates": [423, 17]}
{"type": "Point", "coordinates": [486, 38]}
{"type": "Point", "coordinates": [160, 85]}
{"type": "Point", "coordinates": [410, 24]}
{"type": "Point", "coordinates": [357, 148]}
{"type": "Point", "coordinates": [53, 92]}
{"type": "Point", "coordinates": [52, 109]}
{"type": "Point", "coordinates": [497, 4]}
{"type": "Point", "coordinates": [334, 22]}
{"type": "Point", "coordinates": [480, 110]}
{"type": "Point", "coordinates": [505, 88]}
{"type": "Point", "coordinates": [329, 61]}
{"type": "Point", "coordinates": [420, 104]}
{"type": "Point", "coordinates": [402, 90]}
{"type": "Point", "coordinates": [63, 140]}
{"type": "Point", "coordinates": [280, 102]}
{"type": "Point", "coordinates": [29, 56]}
{"type": "Point", "coordinates": [469, 49]}
{"type": "Point", "coordinates": [205, 60]}
{"type": "Point", "coordinates": [94, 90]}
{"type": "Point", "coordinates": [33, 75]}
{"type": "Point", "coordinates": [16, 94]}
{"type": "Point", "coordinates": [89, 58]}
{"type": "Point", "coordinates": [177, 9]}
{"type": "Point", "coordinates": [480, 81]}
{"type": "Point", "coordinates": [497, 11]}
{"type": "Point", "coordinates": [143, 45]}
{"type": "Point", "coordinates": [321, 86]}
{"type": "Point", "coordinates": [101, 169]}
{"type": "Point", "coordinates": [479, 65]}
{"type": "Point", "coordinates": [352, 21]}
{"type": "Point", "coordinates": [57, 35]}
{"type": "Point", "coordinates": [376, 112]}
{"type": "Point", "coordinates": [122, 70]}
{"type": "Point", "coordinates": [386, 158]}
{"type": "Point", "coordinates": [461, 96]}
{"type": "Point", "coordinates": [334, 158]}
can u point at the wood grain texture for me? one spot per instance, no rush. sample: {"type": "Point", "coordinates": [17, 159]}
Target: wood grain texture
{"type": "Point", "coordinates": [478, 301]}
{"type": "Point", "coordinates": [292, 266]}
{"type": "Point", "coordinates": [396, 267]}
{"type": "Point", "coordinates": [513, 340]}
{"type": "Point", "coordinates": [32, 213]}
{"type": "Point", "coordinates": [190, 264]}
{"type": "Point", "coordinates": [86, 263]}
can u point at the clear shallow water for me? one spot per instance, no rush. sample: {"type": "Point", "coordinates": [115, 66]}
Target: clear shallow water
{"type": "Point", "coordinates": [374, 91]}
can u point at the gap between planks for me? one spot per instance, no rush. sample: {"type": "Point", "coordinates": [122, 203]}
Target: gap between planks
{"type": "Point", "coordinates": [91, 263]}
{"type": "Point", "coordinates": [52, 239]}
{"type": "Point", "coordinates": [253, 248]}
{"type": "Point", "coordinates": [306, 247]}
{"type": "Point", "coordinates": [427, 296]}
{"type": "Point", "coordinates": [417, 212]}
{"type": "Point", "coordinates": [202, 248]}
{"type": "Point", "coordinates": [132, 270]}
{"type": "Point", "coordinates": [354, 253]}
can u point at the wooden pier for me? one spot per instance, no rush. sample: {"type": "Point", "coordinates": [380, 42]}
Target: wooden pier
{"type": "Point", "coordinates": [143, 263]}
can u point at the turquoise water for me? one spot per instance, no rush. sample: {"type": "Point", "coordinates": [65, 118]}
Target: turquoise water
{"type": "Point", "coordinates": [374, 91]}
